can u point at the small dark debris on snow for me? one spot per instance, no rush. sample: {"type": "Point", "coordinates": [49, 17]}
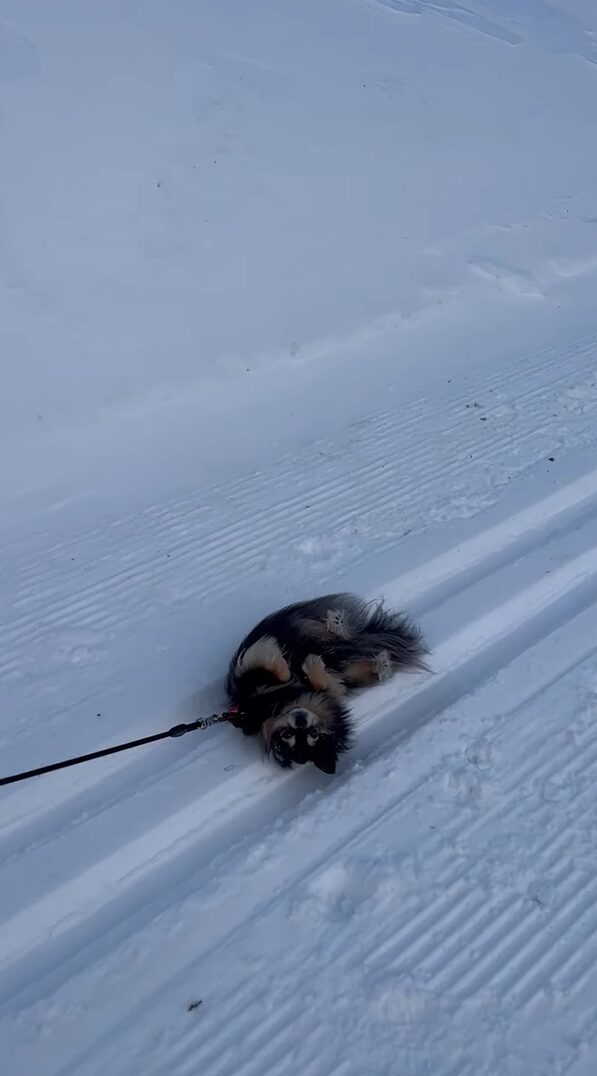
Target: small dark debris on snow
{"type": "Point", "coordinates": [551, 459]}
{"type": "Point", "coordinates": [483, 418]}
{"type": "Point", "coordinates": [193, 1005]}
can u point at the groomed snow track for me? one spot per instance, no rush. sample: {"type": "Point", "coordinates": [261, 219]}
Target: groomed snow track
{"type": "Point", "coordinates": [298, 298]}
{"type": "Point", "coordinates": [207, 857]}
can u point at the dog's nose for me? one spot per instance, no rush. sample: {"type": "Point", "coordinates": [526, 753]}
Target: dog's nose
{"type": "Point", "coordinates": [300, 719]}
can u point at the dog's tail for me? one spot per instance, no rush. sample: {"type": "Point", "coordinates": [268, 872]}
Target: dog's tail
{"type": "Point", "coordinates": [387, 643]}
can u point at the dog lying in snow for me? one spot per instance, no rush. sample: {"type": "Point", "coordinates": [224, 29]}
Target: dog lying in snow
{"type": "Point", "coordinates": [292, 673]}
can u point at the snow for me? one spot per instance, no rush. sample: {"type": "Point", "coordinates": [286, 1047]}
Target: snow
{"type": "Point", "coordinates": [297, 297]}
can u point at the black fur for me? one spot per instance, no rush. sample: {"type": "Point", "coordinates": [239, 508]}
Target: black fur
{"type": "Point", "coordinates": [290, 674]}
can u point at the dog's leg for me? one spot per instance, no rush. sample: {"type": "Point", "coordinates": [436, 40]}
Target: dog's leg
{"type": "Point", "coordinates": [320, 678]}
{"type": "Point", "coordinates": [364, 671]}
{"type": "Point", "coordinates": [264, 654]}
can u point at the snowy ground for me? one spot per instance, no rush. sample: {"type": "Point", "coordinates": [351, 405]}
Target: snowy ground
{"type": "Point", "coordinates": [296, 297]}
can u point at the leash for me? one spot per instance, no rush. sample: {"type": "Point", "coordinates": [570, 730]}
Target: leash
{"type": "Point", "coordinates": [174, 732]}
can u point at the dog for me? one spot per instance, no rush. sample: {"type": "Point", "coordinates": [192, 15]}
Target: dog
{"type": "Point", "coordinates": [290, 677]}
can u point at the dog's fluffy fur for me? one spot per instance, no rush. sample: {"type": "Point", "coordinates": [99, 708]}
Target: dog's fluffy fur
{"type": "Point", "coordinates": [291, 674]}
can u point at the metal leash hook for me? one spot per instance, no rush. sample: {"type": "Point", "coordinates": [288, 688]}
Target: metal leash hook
{"type": "Point", "coordinates": [174, 732]}
{"type": "Point", "coordinates": [201, 723]}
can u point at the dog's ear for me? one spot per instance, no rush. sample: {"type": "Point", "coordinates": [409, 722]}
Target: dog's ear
{"type": "Point", "coordinates": [324, 756]}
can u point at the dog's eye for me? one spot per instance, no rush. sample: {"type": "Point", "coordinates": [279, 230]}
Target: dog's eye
{"type": "Point", "coordinates": [286, 733]}
{"type": "Point", "coordinates": [313, 733]}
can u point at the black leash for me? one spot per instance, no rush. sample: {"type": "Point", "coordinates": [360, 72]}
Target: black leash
{"type": "Point", "coordinates": [175, 731]}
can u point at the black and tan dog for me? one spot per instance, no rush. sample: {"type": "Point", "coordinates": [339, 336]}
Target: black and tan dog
{"type": "Point", "coordinates": [290, 676]}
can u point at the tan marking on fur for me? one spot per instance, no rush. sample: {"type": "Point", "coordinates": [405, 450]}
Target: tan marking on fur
{"type": "Point", "coordinates": [264, 654]}
{"type": "Point", "coordinates": [316, 704]}
{"type": "Point", "coordinates": [362, 672]}
{"type": "Point", "coordinates": [321, 678]}
{"type": "Point", "coordinates": [272, 725]}
{"type": "Point", "coordinates": [316, 629]}
{"type": "Point", "coordinates": [335, 626]}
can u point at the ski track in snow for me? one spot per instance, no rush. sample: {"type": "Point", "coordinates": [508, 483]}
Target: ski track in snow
{"type": "Point", "coordinates": [488, 930]}
{"type": "Point", "coordinates": [141, 877]}
{"type": "Point", "coordinates": [552, 29]}
{"type": "Point", "coordinates": [188, 908]}
{"type": "Point", "coordinates": [473, 446]}
{"type": "Point", "coordinates": [457, 12]}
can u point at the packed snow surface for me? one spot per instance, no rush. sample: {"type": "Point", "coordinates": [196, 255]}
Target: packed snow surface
{"type": "Point", "coordinates": [297, 297]}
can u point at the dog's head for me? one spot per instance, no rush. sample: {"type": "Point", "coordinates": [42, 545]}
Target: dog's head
{"type": "Point", "coordinates": [307, 727]}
